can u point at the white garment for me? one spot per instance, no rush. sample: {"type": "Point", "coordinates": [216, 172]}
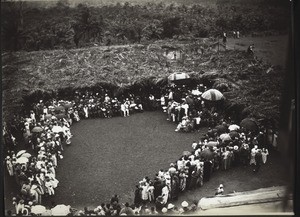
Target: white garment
{"type": "Point", "coordinates": [10, 168]}
{"type": "Point", "coordinates": [264, 155]}
{"type": "Point", "coordinates": [162, 101]}
{"type": "Point", "coordinates": [144, 192]}
{"type": "Point", "coordinates": [165, 194]}
{"type": "Point", "coordinates": [49, 187]}
{"type": "Point", "coordinates": [186, 108]}
{"type": "Point", "coordinates": [150, 191]}
{"type": "Point", "coordinates": [180, 164]}
{"type": "Point", "coordinates": [86, 112]}
{"type": "Point", "coordinates": [194, 145]}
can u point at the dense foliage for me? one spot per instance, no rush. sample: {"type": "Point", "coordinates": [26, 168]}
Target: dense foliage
{"type": "Point", "coordinates": [251, 87]}
{"type": "Point", "coordinates": [25, 27]}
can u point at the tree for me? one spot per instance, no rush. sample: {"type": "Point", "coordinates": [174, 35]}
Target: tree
{"type": "Point", "coordinates": [12, 25]}
{"type": "Point", "coordinates": [171, 27]}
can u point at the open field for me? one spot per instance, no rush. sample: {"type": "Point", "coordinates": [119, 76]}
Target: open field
{"type": "Point", "coordinates": [272, 49]}
{"type": "Point", "coordinates": [109, 156]}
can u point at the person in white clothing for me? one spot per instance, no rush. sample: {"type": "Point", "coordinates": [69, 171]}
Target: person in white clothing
{"type": "Point", "coordinates": [264, 154]}
{"type": "Point", "coordinates": [253, 153]}
{"type": "Point", "coordinates": [150, 191]}
{"type": "Point", "coordinates": [144, 192]}
{"type": "Point", "coordinates": [86, 111]}
{"type": "Point", "coordinates": [126, 104]}
{"type": "Point", "coordinates": [9, 166]}
{"type": "Point", "coordinates": [32, 116]}
{"type": "Point", "coordinates": [165, 194]}
{"type": "Point", "coordinates": [49, 186]}
{"type": "Point", "coordinates": [185, 106]}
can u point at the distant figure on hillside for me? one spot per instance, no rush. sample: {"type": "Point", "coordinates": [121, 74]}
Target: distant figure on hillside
{"type": "Point", "coordinates": [237, 34]}
{"type": "Point", "coordinates": [250, 49]}
{"type": "Point", "coordinates": [108, 42]}
{"type": "Point", "coordinates": [234, 34]}
{"type": "Point", "coordinates": [224, 37]}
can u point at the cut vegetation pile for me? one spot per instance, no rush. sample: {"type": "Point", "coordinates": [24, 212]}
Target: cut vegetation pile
{"type": "Point", "coordinates": [250, 85]}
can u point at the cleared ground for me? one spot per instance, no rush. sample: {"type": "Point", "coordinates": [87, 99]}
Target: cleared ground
{"type": "Point", "coordinates": [109, 156]}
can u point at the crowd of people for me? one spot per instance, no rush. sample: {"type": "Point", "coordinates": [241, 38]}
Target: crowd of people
{"type": "Point", "coordinates": [46, 131]}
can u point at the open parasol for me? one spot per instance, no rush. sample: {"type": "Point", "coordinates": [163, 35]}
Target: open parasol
{"type": "Point", "coordinates": [212, 95]}
{"type": "Point", "coordinates": [48, 116]}
{"type": "Point", "coordinates": [249, 124]}
{"type": "Point", "coordinates": [221, 129]}
{"type": "Point", "coordinates": [22, 160]}
{"type": "Point", "coordinates": [225, 137]}
{"type": "Point", "coordinates": [207, 154]}
{"type": "Point", "coordinates": [212, 143]}
{"type": "Point", "coordinates": [233, 127]}
{"type": "Point", "coordinates": [26, 154]}
{"type": "Point", "coordinates": [37, 130]}
{"type": "Point", "coordinates": [20, 153]}
{"type": "Point", "coordinates": [68, 105]}
{"type": "Point", "coordinates": [186, 153]}
{"type": "Point", "coordinates": [59, 108]}
{"type": "Point", "coordinates": [196, 92]}
{"type": "Point", "coordinates": [38, 209]}
{"type": "Point", "coordinates": [57, 129]}
{"type": "Point", "coordinates": [234, 134]}
{"type": "Point", "coordinates": [59, 116]}
{"type": "Point", "coordinates": [60, 210]}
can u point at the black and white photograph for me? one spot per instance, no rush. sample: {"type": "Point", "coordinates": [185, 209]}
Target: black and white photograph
{"type": "Point", "coordinates": [148, 107]}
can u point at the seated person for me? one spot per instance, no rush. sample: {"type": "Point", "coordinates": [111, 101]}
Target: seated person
{"type": "Point", "coordinates": [183, 124]}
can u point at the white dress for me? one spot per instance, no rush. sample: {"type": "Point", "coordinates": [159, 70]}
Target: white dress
{"type": "Point", "coordinates": [10, 168]}
{"type": "Point", "coordinates": [264, 155]}
{"type": "Point", "coordinates": [165, 194]}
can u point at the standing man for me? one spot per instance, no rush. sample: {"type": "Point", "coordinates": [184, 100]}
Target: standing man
{"type": "Point", "coordinates": [224, 37]}
{"type": "Point", "coordinates": [258, 160]}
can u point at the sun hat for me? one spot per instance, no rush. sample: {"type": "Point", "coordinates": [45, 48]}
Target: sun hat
{"type": "Point", "coordinates": [164, 210]}
{"type": "Point", "coordinates": [184, 204]}
{"type": "Point", "coordinates": [170, 206]}
{"type": "Point", "coordinates": [221, 186]}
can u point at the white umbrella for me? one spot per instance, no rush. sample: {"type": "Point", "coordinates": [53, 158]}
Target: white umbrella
{"type": "Point", "coordinates": [61, 210]}
{"type": "Point", "coordinates": [26, 154]}
{"type": "Point", "coordinates": [196, 92]}
{"type": "Point", "coordinates": [212, 95]}
{"type": "Point", "coordinates": [233, 127]}
{"type": "Point", "coordinates": [225, 137]}
{"type": "Point", "coordinates": [38, 209]}
{"type": "Point", "coordinates": [47, 213]}
{"type": "Point", "coordinates": [57, 129]}
{"type": "Point", "coordinates": [22, 160]}
{"type": "Point", "coordinates": [20, 153]}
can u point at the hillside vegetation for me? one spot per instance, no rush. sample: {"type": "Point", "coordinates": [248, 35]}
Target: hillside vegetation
{"type": "Point", "coordinates": [251, 87]}
{"type": "Point", "coordinates": [26, 27]}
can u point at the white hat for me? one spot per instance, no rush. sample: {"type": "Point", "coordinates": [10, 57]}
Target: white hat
{"type": "Point", "coordinates": [221, 186]}
{"type": "Point", "coordinates": [164, 210]}
{"type": "Point", "coordinates": [184, 204]}
{"type": "Point", "coordinates": [170, 206]}
{"type": "Point", "coordinates": [235, 147]}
